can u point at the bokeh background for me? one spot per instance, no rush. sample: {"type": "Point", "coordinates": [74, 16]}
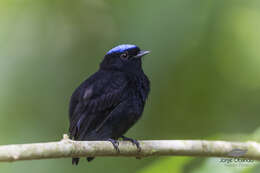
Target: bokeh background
{"type": "Point", "coordinates": [204, 70]}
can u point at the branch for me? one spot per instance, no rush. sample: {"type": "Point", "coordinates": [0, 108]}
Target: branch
{"type": "Point", "coordinates": [69, 148]}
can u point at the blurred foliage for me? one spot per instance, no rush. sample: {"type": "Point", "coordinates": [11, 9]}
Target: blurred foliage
{"type": "Point", "coordinates": [170, 164]}
{"type": "Point", "coordinates": [203, 68]}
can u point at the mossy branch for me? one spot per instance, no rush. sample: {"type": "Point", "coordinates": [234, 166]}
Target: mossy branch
{"type": "Point", "coordinates": [69, 148]}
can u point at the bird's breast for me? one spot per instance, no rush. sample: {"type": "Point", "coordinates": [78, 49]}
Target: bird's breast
{"type": "Point", "coordinates": [140, 88]}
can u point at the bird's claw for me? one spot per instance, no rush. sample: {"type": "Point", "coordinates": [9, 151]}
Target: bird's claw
{"type": "Point", "coordinates": [133, 141]}
{"type": "Point", "coordinates": [115, 143]}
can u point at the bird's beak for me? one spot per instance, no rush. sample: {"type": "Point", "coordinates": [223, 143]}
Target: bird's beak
{"type": "Point", "coordinates": [142, 53]}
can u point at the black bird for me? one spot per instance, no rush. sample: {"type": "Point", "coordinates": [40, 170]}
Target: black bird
{"type": "Point", "coordinates": [110, 101]}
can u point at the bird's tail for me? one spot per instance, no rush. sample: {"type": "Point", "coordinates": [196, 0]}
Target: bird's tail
{"type": "Point", "coordinates": [89, 159]}
{"type": "Point", "coordinates": [75, 161]}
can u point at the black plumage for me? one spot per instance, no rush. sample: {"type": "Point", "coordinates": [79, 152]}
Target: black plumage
{"type": "Point", "coordinates": [110, 101]}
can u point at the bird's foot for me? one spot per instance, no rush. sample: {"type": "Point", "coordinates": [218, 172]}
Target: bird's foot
{"type": "Point", "coordinates": [115, 144]}
{"type": "Point", "coordinates": [133, 141]}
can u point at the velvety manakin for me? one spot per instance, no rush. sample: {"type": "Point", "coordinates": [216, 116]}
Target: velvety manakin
{"type": "Point", "coordinates": [111, 100]}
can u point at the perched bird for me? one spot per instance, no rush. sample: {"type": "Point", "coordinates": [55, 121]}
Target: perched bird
{"type": "Point", "coordinates": [111, 100]}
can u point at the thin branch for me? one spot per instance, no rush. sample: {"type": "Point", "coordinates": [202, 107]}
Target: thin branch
{"type": "Point", "coordinates": [69, 148]}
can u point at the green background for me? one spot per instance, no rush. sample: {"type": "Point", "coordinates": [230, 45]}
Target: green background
{"type": "Point", "coordinates": [204, 69]}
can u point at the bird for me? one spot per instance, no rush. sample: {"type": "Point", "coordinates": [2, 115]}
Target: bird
{"type": "Point", "coordinates": [108, 103]}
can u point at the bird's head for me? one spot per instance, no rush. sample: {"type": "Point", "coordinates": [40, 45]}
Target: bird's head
{"type": "Point", "coordinates": [125, 57]}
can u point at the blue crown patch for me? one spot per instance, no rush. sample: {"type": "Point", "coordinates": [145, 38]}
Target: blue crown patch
{"type": "Point", "coordinates": [121, 48]}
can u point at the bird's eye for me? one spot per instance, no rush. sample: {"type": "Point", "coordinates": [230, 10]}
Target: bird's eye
{"type": "Point", "coordinates": [124, 55]}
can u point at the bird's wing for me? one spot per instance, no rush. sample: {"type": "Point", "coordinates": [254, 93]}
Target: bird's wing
{"type": "Point", "coordinates": [93, 101]}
